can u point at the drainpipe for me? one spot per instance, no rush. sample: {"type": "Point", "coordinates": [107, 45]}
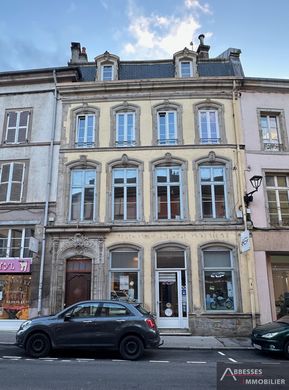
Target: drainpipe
{"type": "Point", "coordinates": [240, 193]}
{"type": "Point", "coordinates": [48, 190]}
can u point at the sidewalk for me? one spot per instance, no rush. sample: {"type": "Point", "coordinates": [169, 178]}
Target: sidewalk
{"type": "Point", "coordinates": [172, 342]}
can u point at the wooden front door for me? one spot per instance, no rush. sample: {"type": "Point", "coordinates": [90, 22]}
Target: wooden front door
{"type": "Point", "coordinates": [78, 280]}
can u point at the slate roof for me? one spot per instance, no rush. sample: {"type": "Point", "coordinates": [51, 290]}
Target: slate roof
{"type": "Point", "coordinates": [157, 70]}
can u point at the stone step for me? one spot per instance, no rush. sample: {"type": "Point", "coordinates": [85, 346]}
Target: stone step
{"type": "Point", "coordinates": [174, 332]}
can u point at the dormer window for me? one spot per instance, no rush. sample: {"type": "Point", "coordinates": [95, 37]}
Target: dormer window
{"type": "Point", "coordinates": [107, 72]}
{"type": "Point", "coordinates": [186, 69]}
{"type": "Point", "coordinates": [107, 67]}
{"type": "Point", "coordinates": [186, 63]}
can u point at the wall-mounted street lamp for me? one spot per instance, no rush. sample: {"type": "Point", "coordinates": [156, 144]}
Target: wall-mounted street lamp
{"type": "Point", "coordinates": [256, 182]}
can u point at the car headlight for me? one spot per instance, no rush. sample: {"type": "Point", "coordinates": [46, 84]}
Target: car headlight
{"type": "Point", "coordinates": [270, 335]}
{"type": "Point", "coordinates": [25, 325]}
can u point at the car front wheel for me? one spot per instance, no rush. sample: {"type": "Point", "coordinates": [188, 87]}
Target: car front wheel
{"type": "Point", "coordinates": [131, 348]}
{"type": "Point", "coordinates": [38, 345]}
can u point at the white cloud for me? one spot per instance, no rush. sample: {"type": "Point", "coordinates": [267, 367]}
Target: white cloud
{"type": "Point", "coordinates": [159, 36]}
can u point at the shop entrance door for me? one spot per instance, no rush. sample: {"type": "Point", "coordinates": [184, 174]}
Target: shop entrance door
{"type": "Point", "coordinates": [78, 280]}
{"type": "Point", "coordinates": [171, 299]}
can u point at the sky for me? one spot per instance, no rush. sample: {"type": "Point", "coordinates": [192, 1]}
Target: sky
{"type": "Point", "coordinates": [38, 33]}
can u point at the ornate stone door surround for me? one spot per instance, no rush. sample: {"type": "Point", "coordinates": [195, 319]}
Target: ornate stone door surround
{"type": "Point", "coordinates": [63, 248]}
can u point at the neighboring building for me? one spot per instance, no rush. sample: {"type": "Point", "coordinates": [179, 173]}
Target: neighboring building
{"type": "Point", "coordinates": [150, 186]}
{"type": "Point", "coordinates": [265, 114]}
{"type": "Point", "coordinates": [29, 142]}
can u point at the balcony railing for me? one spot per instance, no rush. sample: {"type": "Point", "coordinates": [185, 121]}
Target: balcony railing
{"type": "Point", "coordinates": [210, 140]}
{"type": "Point", "coordinates": [125, 143]}
{"type": "Point", "coordinates": [84, 144]}
{"type": "Point", "coordinates": [273, 146]}
{"type": "Point", "coordinates": [168, 141]}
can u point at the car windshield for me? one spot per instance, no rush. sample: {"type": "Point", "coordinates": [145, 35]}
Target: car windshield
{"type": "Point", "coordinates": [284, 320]}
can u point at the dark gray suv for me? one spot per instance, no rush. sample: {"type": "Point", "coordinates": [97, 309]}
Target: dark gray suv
{"type": "Point", "coordinates": [126, 327]}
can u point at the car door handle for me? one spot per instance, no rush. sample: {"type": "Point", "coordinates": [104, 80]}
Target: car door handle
{"type": "Point", "coordinates": [120, 320]}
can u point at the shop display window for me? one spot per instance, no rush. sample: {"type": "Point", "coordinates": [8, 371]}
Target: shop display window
{"type": "Point", "coordinates": [218, 280]}
{"type": "Point", "coordinates": [14, 296]}
{"type": "Point", "coordinates": [124, 275]}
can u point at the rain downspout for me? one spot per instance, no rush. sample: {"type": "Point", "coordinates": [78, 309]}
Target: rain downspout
{"type": "Point", "coordinates": [48, 189]}
{"type": "Point", "coordinates": [241, 192]}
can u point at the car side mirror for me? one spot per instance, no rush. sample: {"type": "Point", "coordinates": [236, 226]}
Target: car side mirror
{"type": "Point", "coordinates": [67, 317]}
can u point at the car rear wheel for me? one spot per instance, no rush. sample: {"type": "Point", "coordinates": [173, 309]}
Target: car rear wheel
{"type": "Point", "coordinates": [286, 350]}
{"type": "Point", "coordinates": [131, 348]}
{"type": "Point", "coordinates": [38, 345]}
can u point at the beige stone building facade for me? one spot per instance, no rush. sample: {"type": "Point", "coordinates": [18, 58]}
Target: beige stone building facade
{"type": "Point", "coordinates": [150, 191]}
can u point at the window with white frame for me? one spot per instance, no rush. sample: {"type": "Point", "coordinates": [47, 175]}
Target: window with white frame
{"type": "Point", "coordinates": [17, 124]}
{"type": "Point", "coordinates": [125, 274]}
{"type": "Point", "coordinates": [213, 191]}
{"type": "Point", "coordinates": [277, 186]}
{"type": "Point", "coordinates": [83, 195]}
{"type": "Point", "coordinates": [218, 279]}
{"type": "Point", "coordinates": [125, 129]}
{"type": "Point", "coordinates": [85, 131]}
{"type": "Point", "coordinates": [11, 182]}
{"type": "Point", "coordinates": [167, 128]}
{"type": "Point", "coordinates": [168, 193]}
{"type": "Point", "coordinates": [186, 69]}
{"type": "Point", "coordinates": [209, 126]}
{"type": "Point", "coordinates": [107, 72]}
{"type": "Point", "coordinates": [15, 242]}
{"type": "Point", "coordinates": [270, 132]}
{"type": "Point", "coordinates": [124, 194]}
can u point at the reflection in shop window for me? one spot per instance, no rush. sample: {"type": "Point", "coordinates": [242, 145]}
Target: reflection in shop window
{"type": "Point", "coordinates": [218, 279]}
{"type": "Point", "coordinates": [15, 242]}
{"type": "Point", "coordinates": [124, 275]}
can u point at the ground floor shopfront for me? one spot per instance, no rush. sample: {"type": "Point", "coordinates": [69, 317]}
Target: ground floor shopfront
{"type": "Point", "coordinates": [272, 270]}
{"type": "Point", "coordinates": [189, 279]}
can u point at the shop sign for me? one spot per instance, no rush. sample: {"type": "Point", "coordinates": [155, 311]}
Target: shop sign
{"type": "Point", "coordinates": [245, 241]}
{"type": "Point", "coordinates": [11, 265]}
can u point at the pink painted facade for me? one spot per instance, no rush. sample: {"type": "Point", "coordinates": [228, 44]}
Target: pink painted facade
{"type": "Point", "coordinates": [263, 100]}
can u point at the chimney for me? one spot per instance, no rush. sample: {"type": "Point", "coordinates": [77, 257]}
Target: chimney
{"type": "Point", "coordinates": [78, 55]}
{"type": "Point", "coordinates": [203, 50]}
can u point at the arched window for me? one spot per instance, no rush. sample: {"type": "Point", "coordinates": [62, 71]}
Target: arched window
{"type": "Point", "coordinates": [167, 124]}
{"type": "Point", "coordinates": [214, 189]}
{"type": "Point", "coordinates": [125, 269]}
{"type": "Point", "coordinates": [219, 278]}
{"type": "Point", "coordinates": [209, 123]}
{"type": "Point", "coordinates": [84, 132]}
{"type": "Point", "coordinates": [125, 125]}
{"type": "Point", "coordinates": [126, 190]}
{"type": "Point", "coordinates": [84, 181]}
{"type": "Point", "coordinates": [169, 189]}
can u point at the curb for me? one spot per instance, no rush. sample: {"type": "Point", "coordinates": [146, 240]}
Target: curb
{"type": "Point", "coordinates": [208, 348]}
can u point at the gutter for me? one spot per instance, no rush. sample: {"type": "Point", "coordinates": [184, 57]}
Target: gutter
{"type": "Point", "coordinates": [241, 191]}
{"type": "Point", "coordinates": [48, 190]}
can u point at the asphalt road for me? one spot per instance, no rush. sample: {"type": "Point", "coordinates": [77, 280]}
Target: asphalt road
{"type": "Point", "coordinates": [159, 369]}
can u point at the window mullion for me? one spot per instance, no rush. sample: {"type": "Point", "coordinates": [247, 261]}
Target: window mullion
{"type": "Point", "coordinates": [9, 187]}
{"type": "Point", "coordinates": [17, 126]}
{"type": "Point", "coordinates": [213, 200]}
{"type": "Point", "coordinates": [22, 244]}
{"type": "Point", "coordinates": [169, 201]}
{"type": "Point", "coordinates": [125, 127]}
{"type": "Point", "coordinates": [8, 249]}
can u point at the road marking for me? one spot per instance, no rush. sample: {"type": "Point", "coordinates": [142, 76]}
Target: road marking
{"type": "Point", "coordinates": [12, 357]}
{"type": "Point", "coordinates": [85, 360]}
{"type": "Point", "coordinates": [233, 360]}
{"type": "Point", "coordinates": [51, 359]}
{"type": "Point", "coordinates": [63, 360]}
{"type": "Point", "coordinates": [118, 360]}
{"type": "Point", "coordinates": [159, 361]}
{"type": "Point", "coordinates": [196, 362]}
{"type": "Point", "coordinates": [221, 353]}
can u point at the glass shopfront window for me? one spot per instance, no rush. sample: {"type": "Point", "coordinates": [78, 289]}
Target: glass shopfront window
{"type": "Point", "coordinates": [280, 276]}
{"type": "Point", "coordinates": [218, 279]}
{"type": "Point", "coordinates": [124, 275]}
{"type": "Point", "coordinates": [14, 296]}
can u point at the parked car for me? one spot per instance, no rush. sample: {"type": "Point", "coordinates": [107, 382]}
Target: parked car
{"type": "Point", "coordinates": [273, 336]}
{"type": "Point", "coordinates": [122, 326]}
